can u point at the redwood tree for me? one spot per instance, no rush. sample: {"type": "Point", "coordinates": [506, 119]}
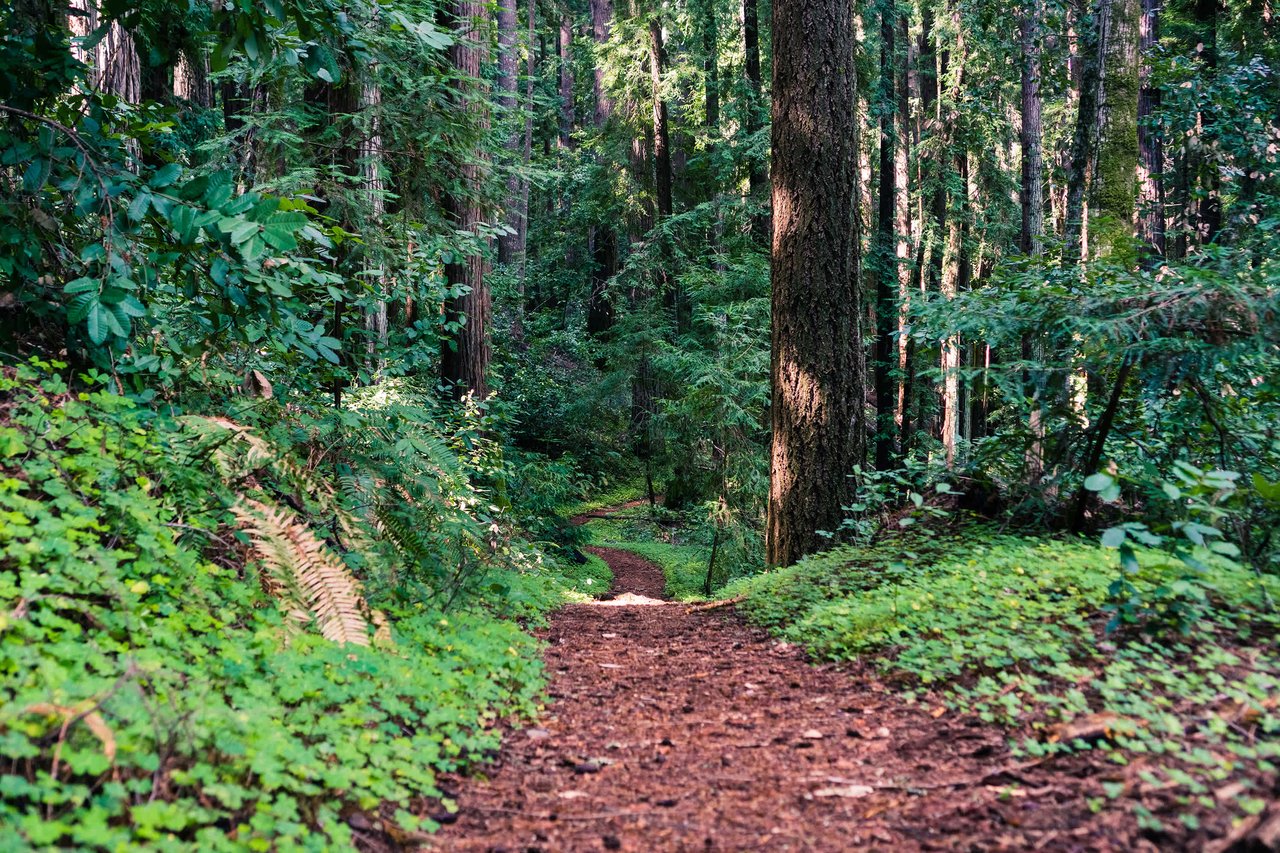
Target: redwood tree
{"type": "Point", "coordinates": [817, 363]}
{"type": "Point", "coordinates": [465, 358]}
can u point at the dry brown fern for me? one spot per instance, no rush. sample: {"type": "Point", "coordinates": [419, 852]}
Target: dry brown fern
{"type": "Point", "coordinates": [309, 575]}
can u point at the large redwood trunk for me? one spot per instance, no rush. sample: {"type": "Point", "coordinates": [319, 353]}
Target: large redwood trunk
{"type": "Point", "coordinates": [464, 362]}
{"type": "Point", "coordinates": [817, 369]}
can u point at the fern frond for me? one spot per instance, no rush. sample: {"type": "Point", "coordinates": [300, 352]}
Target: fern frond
{"type": "Point", "coordinates": [301, 563]}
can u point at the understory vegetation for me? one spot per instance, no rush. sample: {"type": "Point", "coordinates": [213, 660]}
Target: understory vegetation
{"type": "Point", "coordinates": [942, 335]}
{"type": "Point", "coordinates": [1178, 681]}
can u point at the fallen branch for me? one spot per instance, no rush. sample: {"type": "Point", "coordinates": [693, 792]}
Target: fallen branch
{"type": "Point", "coordinates": [712, 605]}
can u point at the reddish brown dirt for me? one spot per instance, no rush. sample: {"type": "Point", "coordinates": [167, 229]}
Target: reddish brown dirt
{"type": "Point", "coordinates": [678, 730]}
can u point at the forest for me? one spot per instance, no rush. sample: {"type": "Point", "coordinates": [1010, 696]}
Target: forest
{"type": "Point", "coordinates": [639, 425]}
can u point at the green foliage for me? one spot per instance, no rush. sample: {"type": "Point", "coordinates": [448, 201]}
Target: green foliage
{"type": "Point", "coordinates": [1013, 630]}
{"type": "Point", "coordinates": [155, 695]}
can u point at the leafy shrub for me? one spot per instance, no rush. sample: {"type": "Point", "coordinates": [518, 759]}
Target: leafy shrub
{"type": "Point", "coordinates": [154, 694]}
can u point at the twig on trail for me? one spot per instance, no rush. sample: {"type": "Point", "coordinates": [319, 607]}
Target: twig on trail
{"type": "Point", "coordinates": [712, 605]}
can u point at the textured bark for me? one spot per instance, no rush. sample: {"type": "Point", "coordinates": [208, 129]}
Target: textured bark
{"type": "Point", "coordinates": [885, 247]}
{"type": "Point", "coordinates": [601, 25]}
{"type": "Point", "coordinates": [114, 64]}
{"type": "Point", "coordinates": [464, 362]}
{"type": "Point", "coordinates": [816, 364]}
{"type": "Point", "coordinates": [508, 83]}
{"type": "Point", "coordinates": [1031, 234]}
{"type": "Point", "coordinates": [191, 79]}
{"type": "Point", "coordinates": [902, 208]}
{"type": "Point", "coordinates": [661, 126]}
{"type": "Point", "coordinates": [1085, 138]}
{"type": "Point", "coordinates": [1113, 190]}
{"type": "Point", "coordinates": [757, 178]}
{"type": "Point", "coordinates": [603, 237]}
{"type": "Point", "coordinates": [1031, 196]}
{"type": "Point", "coordinates": [1151, 227]}
{"type": "Point", "coordinates": [370, 170]}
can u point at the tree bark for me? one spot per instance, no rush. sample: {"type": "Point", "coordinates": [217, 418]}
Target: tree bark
{"type": "Point", "coordinates": [816, 360]}
{"type": "Point", "coordinates": [465, 358]}
{"type": "Point", "coordinates": [1084, 140]}
{"type": "Point", "coordinates": [1031, 198]}
{"type": "Point", "coordinates": [757, 177]}
{"type": "Point", "coordinates": [662, 180]}
{"type": "Point", "coordinates": [1151, 227]}
{"type": "Point", "coordinates": [885, 247]}
{"type": "Point", "coordinates": [603, 237]}
{"type": "Point", "coordinates": [1113, 191]}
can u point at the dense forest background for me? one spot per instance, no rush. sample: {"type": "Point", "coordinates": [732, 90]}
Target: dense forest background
{"type": "Point", "coordinates": [317, 316]}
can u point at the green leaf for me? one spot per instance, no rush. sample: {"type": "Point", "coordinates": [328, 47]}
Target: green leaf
{"type": "Point", "coordinates": [165, 176]}
{"type": "Point", "coordinates": [1113, 537]}
{"type": "Point", "coordinates": [1098, 482]}
{"type": "Point", "coordinates": [97, 323]}
{"type": "Point", "coordinates": [82, 285]}
{"type": "Point", "coordinates": [138, 207]}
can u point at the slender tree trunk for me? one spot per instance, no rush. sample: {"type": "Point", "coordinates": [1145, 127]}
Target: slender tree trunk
{"type": "Point", "coordinates": [1151, 229]}
{"type": "Point", "coordinates": [662, 180]}
{"type": "Point", "coordinates": [757, 178]}
{"type": "Point", "coordinates": [369, 163]}
{"type": "Point", "coordinates": [884, 253]}
{"type": "Point", "coordinates": [1209, 212]}
{"type": "Point", "coordinates": [465, 358]}
{"type": "Point", "coordinates": [1092, 26]}
{"type": "Point", "coordinates": [902, 213]}
{"type": "Point", "coordinates": [817, 371]}
{"type": "Point", "coordinates": [1031, 197]}
{"type": "Point", "coordinates": [603, 237]}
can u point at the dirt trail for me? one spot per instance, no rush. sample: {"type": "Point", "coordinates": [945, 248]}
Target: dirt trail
{"type": "Point", "coordinates": [678, 730]}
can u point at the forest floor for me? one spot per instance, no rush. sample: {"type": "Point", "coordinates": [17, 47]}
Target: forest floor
{"type": "Point", "coordinates": [675, 727]}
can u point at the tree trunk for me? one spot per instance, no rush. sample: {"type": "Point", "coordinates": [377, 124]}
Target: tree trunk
{"type": "Point", "coordinates": [1151, 229]}
{"type": "Point", "coordinates": [1031, 197]}
{"type": "Point", "coordinates": [369, 162]}
{"type": "Point", "coordinates": [816, 361]}
{"type": "Point", "coordinates": [465, 358]}
{"type": "Point", "coordinates": [884, 253]}
{"type": "Point", "coordinates": [661, 133]}
{"type": "Point", "coordinates": [603, 237]}
{"type": "Point", "coordinates": [566, 81]}
{"type": "Point", "coordinates": [757, 178]}
{"type": "Point", "coordinates": [1084, 140]}
{"type": "Point", "coordinates": [902, 211]}
{"type": "Point", "coordinates": [1113, 191]}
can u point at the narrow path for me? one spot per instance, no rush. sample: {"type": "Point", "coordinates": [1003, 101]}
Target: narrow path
{"type": "Point", "coordinates": [679, 730]}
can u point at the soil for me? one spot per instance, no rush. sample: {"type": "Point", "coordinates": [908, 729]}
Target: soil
{"type": "Point", "coordinates": [682, 729]}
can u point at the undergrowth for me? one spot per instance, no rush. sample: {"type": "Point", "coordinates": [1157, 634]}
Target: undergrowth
{"type": "Point", "coordinates": [163, 678]}
{"type": "Point", "coordinates": [1015, 630]}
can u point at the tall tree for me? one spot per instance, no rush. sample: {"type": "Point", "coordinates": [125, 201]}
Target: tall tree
{"type": "Point", "coordinates": [1151, 227]}
{"type": "Point", "coordinates": [1113, 190]}
{"type": "Point", "coordinates": [757, 178]}
{"type": "Point", "coordinates": [884, 252]}
{"type": "Point", "coordinates": [1031, 199]}
{"type": "Point", "coordinates": [464, 362]}
{"type": "Point", "coordinates": [817, 370]}
{"type": "Point", "coordinates": [1092, 25]}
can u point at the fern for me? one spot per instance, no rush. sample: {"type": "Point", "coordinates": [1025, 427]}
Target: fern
{"type": "Point", "coordinates": [312, 577]}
